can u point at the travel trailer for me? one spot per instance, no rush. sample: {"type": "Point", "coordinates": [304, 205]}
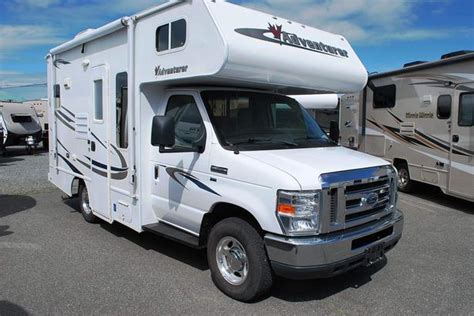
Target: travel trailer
{"type": "Point", "coordinates": [21, 125]}
{"type": "Point", "coordinates": [176, 121]}
{"type": "Point", "coordinates": [420, 118]}
{"type": "Point", "coordinates": [41, 108]}
{"type": "Point", "coordinates": [324, 108]}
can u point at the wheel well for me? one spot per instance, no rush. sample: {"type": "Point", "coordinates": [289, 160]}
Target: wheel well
{"type": "Point", "coordinates": [397, 162]}
{"type": "Point", "coordinates": [75, 185]}
{"type": "Point", "coordinates": [222, 211]}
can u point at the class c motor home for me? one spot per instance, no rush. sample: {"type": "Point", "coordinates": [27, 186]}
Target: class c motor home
{"type": "Point", "coordinates": [21, 125]}
{"type": "Point", "coordinates": [176, 121]}
{"type": "Point", "coordinates": [421, 119]}
{"type": "Point", "coordinates": [41, 108]}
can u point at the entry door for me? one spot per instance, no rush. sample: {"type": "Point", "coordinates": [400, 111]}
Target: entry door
{"type": "Point", "coordinates": [461, 173]}
{"type": "Point", "coordinates": [98, 144]}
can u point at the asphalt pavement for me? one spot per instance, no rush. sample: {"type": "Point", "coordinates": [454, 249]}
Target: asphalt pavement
{"type": "Point", "coordinates": [53, 262]}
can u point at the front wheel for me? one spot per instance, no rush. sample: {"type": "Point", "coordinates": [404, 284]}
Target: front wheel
{"type": "Point", "coordinates": [84, 205]}
{"type": "Point", "coordinates": [238, 261]}
{"type": "Point", "coordinates": [405, 184]}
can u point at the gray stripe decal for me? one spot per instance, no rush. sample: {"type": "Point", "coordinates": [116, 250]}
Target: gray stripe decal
{"type": "Point", "coordinates": [70, 113]}
{"type": "Point", "coordinates": [70, 120]}
{"type": "Point", "coordinates": [65, 123]}
{"type": "Point", "coordinates": [100, 142]}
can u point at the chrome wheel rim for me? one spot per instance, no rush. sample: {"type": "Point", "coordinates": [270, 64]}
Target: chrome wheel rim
{"type": "Point", "coordinates": [85, 202]}
{"type": "Point", "coordinates": [232, 260]}
{"type": "Point", "coordinates": [403, 178]}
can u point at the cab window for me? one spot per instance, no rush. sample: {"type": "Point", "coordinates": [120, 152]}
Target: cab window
{"type": "Point", "coordinates": [189, 126]}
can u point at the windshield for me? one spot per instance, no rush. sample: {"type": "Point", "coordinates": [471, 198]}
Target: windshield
{"type": "Point", "coordinates": [255, 121]}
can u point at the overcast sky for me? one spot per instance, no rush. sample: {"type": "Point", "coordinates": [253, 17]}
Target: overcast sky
{"type": "Point", "coordinates": [385, 33]}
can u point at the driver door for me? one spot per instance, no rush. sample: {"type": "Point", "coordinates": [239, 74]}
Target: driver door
{"type": "Point", "coordinates": [181, 178]}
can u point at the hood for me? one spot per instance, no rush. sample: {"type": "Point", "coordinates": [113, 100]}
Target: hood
{"type": "Point", "coordinates": [306, 165]}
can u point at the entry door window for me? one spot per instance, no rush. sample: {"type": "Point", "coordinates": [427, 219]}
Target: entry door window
{"type": "Point", "coordinates": [189, 126]}
{"type": "Point", "coordinates": [98, 101]}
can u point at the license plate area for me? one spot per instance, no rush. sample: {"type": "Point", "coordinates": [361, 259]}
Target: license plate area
{"type": "Point", "coordinates": [374, 254]}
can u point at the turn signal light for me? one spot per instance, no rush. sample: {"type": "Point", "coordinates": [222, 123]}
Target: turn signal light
{"type": "Point", "coordinates": [286, 209]}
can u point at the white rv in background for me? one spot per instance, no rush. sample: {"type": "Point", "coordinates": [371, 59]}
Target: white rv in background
{"type": "Point", "coordinates": [421, 119]}
{"type": "Point", "coordinates": [323, 107]}
{"type": "Point", "coordinates": [21, 125]}
{"type": "Point", "coordinates": [168, 121]}
{"type": "Point", "coordinates": [42, 110]}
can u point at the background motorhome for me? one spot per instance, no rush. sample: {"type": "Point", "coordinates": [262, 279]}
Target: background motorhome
{"type": "Point", "coordinates": [323, 107]}
{"type": "Point", "coordinates": [420, 118]}
{"type": "Point", "coordinates": [42, 109]}
{"type": "Point", "coordinates": [21, 125]}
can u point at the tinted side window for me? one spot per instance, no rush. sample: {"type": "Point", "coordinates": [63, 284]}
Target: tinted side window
{"type": "Point", "coordinates": [385, 96]}
{"type": "Point", "coordinates": [189, 126]}
{"type": "Point", "coordinates": [171, 35]}
{"type": "Point", "coordinates": [121, 109]}
{"type": "Point", "coordinates": [162, 38]}
{"type": "Point", "coordinates": [444, 107]}
{"type": "Point", "coordinates": [178, 34]}
{"type": "Point", "coordinates": [466, 109]}
{"type": "Point", "coordinates": [98, 101]}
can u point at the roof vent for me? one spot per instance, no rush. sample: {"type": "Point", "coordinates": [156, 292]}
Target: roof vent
{"type": "Point", "coordinates": [82, 33]}
{"type": "Point", "coordinates": [455, 54]}
{"type": "Point", "coordinates": [414, 63]}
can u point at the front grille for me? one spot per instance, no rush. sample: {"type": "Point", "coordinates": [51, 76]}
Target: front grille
{"type": "Point", "coordinates": [357, 197]}
{"type": "Point", "coordinates": [333, 205]}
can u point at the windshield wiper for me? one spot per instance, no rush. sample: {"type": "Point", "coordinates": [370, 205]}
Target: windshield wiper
{"type": "Point", "coordinates": [248, 141]}
{"type": "Point", "coordinates": [284, 142]}
{"type": "Point", "coordinates": [321, 140]}
{"type": "Point", "coordinates": [262, 140]}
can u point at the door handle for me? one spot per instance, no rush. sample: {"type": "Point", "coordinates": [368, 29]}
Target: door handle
{"type": "Point", "coordinates": [92, 146]}
{"type": "Point", "coordinates": [455, 138]}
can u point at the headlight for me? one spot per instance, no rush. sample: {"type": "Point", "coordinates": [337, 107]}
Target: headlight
{"type": "Point", "coordinates": [298, 212]}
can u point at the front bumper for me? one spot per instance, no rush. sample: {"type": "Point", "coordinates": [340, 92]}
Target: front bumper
{"type": "Point", "coordinates": [331, 254]}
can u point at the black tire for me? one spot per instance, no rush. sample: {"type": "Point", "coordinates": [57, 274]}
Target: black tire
{"type": "Point", "coordinates": [404, 184]}
{"type": "Point", "coordinates": [84, 207]}
{"type": "Point", "coordinates": [259, 277]}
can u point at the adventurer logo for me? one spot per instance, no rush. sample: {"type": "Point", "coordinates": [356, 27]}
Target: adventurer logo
{"type": "Point", "coordinates": [275, 34]}
{"type": "Point", "coordinates": [160, 71]}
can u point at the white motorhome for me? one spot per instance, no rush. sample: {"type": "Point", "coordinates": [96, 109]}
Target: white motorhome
{"type": "Point", "coordinates": [168, 121]}
{"type": "Point", "coordinates": [41, 109]}
{"type": "Point", "coordinates": [21, 125]}
{"type": "Point", "coordinates": [420, 118]}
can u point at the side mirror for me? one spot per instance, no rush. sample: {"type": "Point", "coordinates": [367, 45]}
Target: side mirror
{"type": "Point", "coordinates": [334, 132]}
{"type": "Point", "coordinates": [162, 131]}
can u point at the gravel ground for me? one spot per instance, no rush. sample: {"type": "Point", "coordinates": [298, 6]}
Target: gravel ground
{"type": "Point", "coordinates": [24, 174]}
{"type": "Point", "coordinates": [52, 262]}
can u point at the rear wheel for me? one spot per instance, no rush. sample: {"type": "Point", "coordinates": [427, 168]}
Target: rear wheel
{"type": "Point", "coordinates": [84, 205]}
{"type": "Point", "coordinates": [238, 261]}
{"type": "Point", "coordinates": [405, 184]}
